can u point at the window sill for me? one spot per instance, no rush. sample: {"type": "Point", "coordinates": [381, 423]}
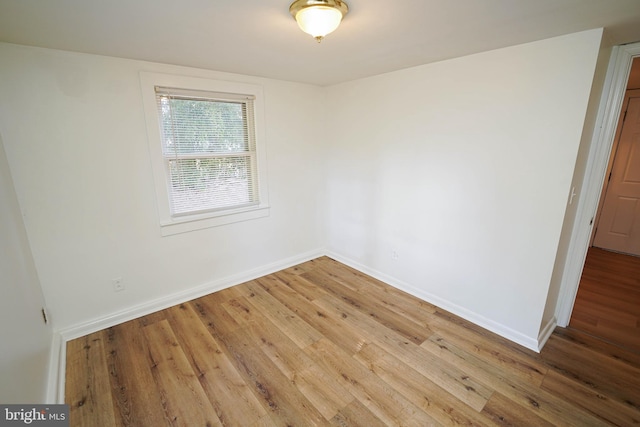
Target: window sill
{"type": "Point", "coordinates": [199, 222]}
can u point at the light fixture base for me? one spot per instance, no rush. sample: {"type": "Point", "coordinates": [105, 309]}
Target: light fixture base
{"type": "Point", "coordinates": [298, 5]}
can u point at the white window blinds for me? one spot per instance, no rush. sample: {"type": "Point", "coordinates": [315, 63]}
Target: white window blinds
{"type": "Point", "coordinates": [208, 147]}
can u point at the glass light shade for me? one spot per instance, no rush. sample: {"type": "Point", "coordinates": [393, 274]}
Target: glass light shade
{"type": "Point", "coordinates": [318, 20]}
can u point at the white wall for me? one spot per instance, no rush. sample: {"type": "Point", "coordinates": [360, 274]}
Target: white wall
{"type": "Point", "coordinates": [75, 136]}
{"type": "Point", "coordinates": [463, 168]}
{"type": "Point", "coordinates": [25, 341]}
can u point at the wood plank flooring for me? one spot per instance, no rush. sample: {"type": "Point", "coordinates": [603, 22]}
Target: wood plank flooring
{"type": "Point", "coordinates": [608, 301]}
{"type": "Point", "coordinates": [322, 344]}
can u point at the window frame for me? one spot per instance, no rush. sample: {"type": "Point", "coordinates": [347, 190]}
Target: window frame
{"type": "Point", "coordinates": [185, 222]}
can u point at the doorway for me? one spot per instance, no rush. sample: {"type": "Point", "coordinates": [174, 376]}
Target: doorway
{"type": "Point", "coordinates": [596, 167]}
{"type": "Point", "coordinates": [607, 304]}
{"type": "Point", "coordinates": [618, 218]}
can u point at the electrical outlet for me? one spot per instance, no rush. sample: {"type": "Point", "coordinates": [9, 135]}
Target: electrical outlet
{"type": "Point", "coordinates": [394, 254]}
{"type": "Point", "coordinates": [118, 285]}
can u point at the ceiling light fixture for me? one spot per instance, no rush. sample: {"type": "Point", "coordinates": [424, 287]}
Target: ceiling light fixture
{"type": "Point", "coordinates": [318, 17]}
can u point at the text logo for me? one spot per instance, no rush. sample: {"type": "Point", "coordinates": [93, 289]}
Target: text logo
{"type": "Point", "coordinates": [36, 415]}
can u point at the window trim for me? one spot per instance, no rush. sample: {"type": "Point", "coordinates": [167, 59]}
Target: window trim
{"type": "Point", "coordinates": [189, 222]}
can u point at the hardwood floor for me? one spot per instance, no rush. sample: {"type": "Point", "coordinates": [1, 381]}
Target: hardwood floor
{"type": "Point", "coordinates": [608, 301]}
{"type": "Point", "coordinates": [322, 344]}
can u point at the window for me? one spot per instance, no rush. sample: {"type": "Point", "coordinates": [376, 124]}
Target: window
{"type": "Point", "coordinates": [204, 144]}
{"type": "Point", "coordinates": [208, 148]}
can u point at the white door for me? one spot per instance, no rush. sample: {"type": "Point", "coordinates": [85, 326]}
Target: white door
{"type": "Point", "coordinates": [619, 223]}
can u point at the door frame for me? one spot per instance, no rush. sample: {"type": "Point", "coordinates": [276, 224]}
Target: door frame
{"type": "Point", "coordinates": [613, 93]}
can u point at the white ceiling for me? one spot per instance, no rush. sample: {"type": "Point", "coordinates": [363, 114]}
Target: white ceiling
{"type": "Point", "coordinates": [259, 37]}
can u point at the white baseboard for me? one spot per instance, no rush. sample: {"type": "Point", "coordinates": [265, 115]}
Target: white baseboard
{"type": "Point", "coordinates": [546, 332]}
{"type": "Point", "coordinates": [57, 362]}
{"type": "Point", "coordinates": [502, 330]}
{"type": "Point", "coordinates": [161, 303]}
